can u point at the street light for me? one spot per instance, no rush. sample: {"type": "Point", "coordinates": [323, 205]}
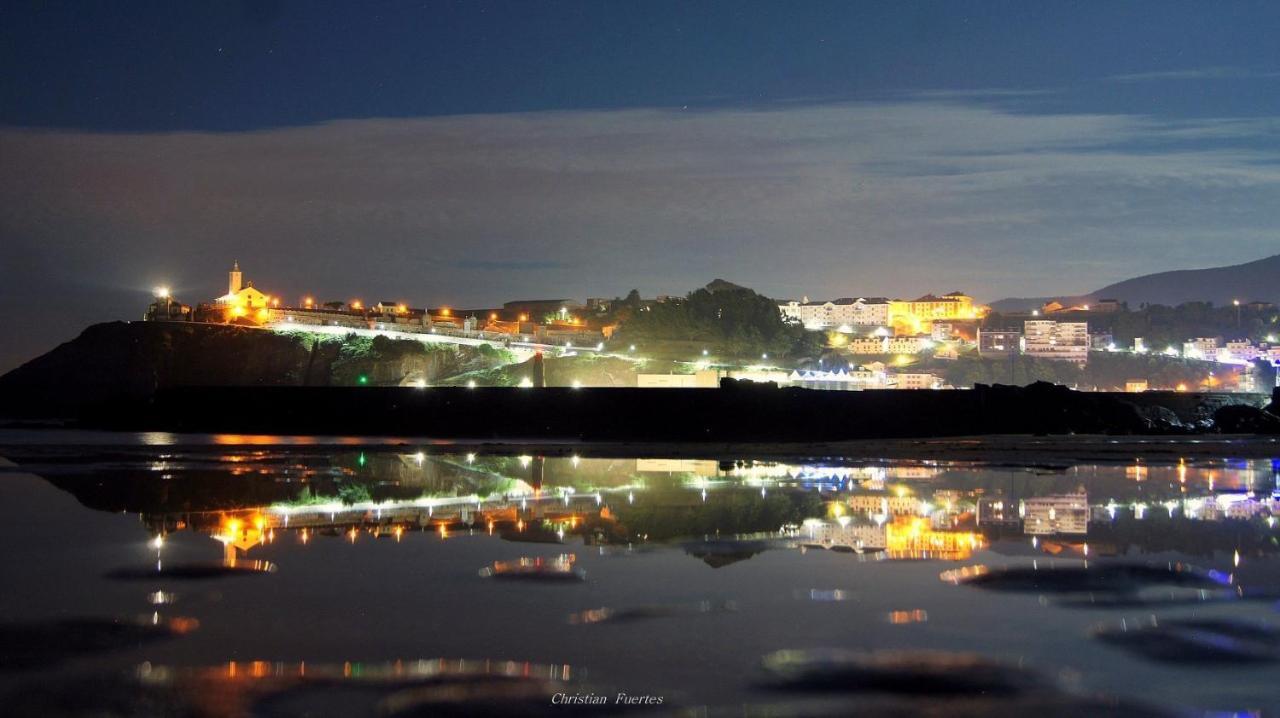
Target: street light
{"type": "Point", "coordinates": [162, 292]}
{"type": "Point", "coordinates": [1237, 303]}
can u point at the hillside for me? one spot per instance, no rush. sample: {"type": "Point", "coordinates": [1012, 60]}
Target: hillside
{"type": "Point", "coordinates": [134, 359]}
{"type": "Point", "coordinates": [1251, 281]}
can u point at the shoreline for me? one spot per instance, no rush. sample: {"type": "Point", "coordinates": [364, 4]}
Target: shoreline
{"type": "Point", "coordinates": [996, 449]}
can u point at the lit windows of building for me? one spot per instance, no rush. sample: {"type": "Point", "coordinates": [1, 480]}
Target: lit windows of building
{"type": "Point", "coordinates": [1062, 514]}
{"type": "Point", "coordinates": [1062, 341]}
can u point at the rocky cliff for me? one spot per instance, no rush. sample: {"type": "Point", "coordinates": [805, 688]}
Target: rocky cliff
{"type": "Point", "coordinates": [132, 360]}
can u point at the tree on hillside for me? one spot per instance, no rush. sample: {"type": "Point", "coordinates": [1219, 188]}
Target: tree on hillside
{"type": "Point", "coordinates": [736, 322]}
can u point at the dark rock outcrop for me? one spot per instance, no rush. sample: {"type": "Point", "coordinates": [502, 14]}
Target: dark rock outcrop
{"type": "Point", "coordinates": [1243, 419]}
{"type": "Point", "coordinates": [130, 361]}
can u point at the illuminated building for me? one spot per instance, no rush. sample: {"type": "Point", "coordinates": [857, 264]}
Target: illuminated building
{"type": "Point", "coordinates": [1201, 348]}
{"type": "Point", "coordinates": [909, 344]}
{"type": "Point", "coordinates": [1063, 341]}
{"type": "Point", "coordinates": [917, 315]}
{"type": "Point", "coordinates": [1135, 386]}
{"type": "Point", "coordinates": [1063, 514]}
{"type": "Point", "coordinates": [868, 345]}
{"type": "Point", "coordinates": [241, 296]}
{"type": "Point", "coordinates": [914, 537]}
{"type": "Point", "coordinates": [701, 379]}
{"type": "Point", "coordinates": [998, 343]}
{"type": "Point", "coordinates": [847, 311]}
{"type": "Point", "coordinates": [166, 309]}
{"type": "Point", "coordinates": [917, 381]}
{"type": "Point", "coordinates": [860, 378]}
{"type": "Point", "coordinates": [1238, 351]}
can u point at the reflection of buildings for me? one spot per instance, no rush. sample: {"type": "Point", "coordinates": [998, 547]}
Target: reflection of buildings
{"type": "Point", "coordinates": [700, 467]}
{"type": "Point", "coordinates": [1139, 504]}
{"type": "Point", "coordinates": [914, 537]}
{"type": "Point", "coordinates": [244, 529]}
{"type": "Point", "coordinates": [889, 505]}
{"type": "Point", "coordinates": [996, 510]}
{"type": "Point", "coordinates": [844, 534]}
{"type": "Point", "coordinates": [906, 537]}
{"type": "Point", "coordinates": [1064, 514]}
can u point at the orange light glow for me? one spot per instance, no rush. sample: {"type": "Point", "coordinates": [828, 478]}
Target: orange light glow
{"type": "Point", "coordinates": [899, 618]}
{"type": "Point", "coordinates": [444, 312]}
{"type": "Point", "coordinates": [915, 537]}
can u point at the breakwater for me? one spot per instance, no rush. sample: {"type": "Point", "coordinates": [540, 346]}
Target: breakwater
{"type": "Point", "coordinates": [734, 413]}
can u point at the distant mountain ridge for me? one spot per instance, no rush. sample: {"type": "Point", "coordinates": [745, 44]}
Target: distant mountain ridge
{"type": "Point", "coordinates": [1254, 281]}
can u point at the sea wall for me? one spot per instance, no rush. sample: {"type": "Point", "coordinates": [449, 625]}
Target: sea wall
{"type": "Point", "coordinates": [736, 413]}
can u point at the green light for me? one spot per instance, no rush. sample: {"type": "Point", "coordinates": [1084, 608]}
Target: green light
{"type": "Point", "coordinates": [363, 379]}
{"type": "Point", "coordinates": [361, 460]}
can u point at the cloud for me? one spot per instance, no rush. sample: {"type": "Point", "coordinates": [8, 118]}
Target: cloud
{"type": "Point", "coordinates": [1200, 73]}
{"type": "Point", "coordinates": [980, 93]}
{"type": "Point", "coordinates": [501, 266]}
{"type": "Point", "coordinates": [874, 198]}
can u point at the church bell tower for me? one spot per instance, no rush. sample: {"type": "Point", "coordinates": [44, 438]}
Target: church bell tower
{"type": "Point", "coordinates": [234, 283]}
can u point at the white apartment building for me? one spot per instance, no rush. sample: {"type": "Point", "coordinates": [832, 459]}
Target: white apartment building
{"type": "Point", "coordinates": [1063, 514]}
{"type": "Point", "coordinates": [1064, 341]}
{"type": "Point", "coordinates": [1240, 351]}
{"type": "Point", "coordinates": [836, 313]}
{"type": "Point", "coordinates": [1201, 348]}
{"type": "Point", "coordinates": [831, 534]}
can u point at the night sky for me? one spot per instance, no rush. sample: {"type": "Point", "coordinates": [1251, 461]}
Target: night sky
{"type": "Point", "coordinates": [474, 152]}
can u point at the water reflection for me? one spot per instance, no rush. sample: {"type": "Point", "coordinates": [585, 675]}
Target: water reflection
{"type": "Point", "coordinates": [383, 542]}
{"type": "Point", "coordinates": [929, 509]}
{"type": "Point", "coordinates": [1195, 641]}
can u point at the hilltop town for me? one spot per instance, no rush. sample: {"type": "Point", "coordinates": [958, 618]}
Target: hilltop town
{"type": "Point", "coordinates": [848, 343]}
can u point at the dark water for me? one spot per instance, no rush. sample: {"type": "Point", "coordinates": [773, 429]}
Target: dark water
{"type": "Point", "coordinates": [239, 575]}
